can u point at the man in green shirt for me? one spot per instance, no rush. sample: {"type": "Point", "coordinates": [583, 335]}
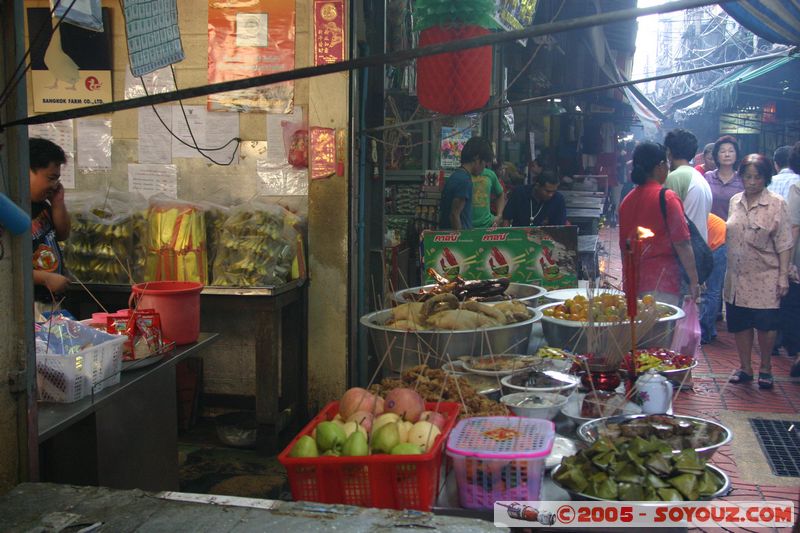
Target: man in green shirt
{"type": "Point", "coordinates": [484, 187]}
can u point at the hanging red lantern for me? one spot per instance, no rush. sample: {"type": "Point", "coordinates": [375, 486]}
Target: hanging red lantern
{"type": "Point", "coordinates": [454, 83]}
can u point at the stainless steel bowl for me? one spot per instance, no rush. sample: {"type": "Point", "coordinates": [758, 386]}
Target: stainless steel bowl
{"type": "Point", "coordinates": [588, 432]}
{"type": "Point", "coordinates": [562, 295]}
{"type": "Point", "coordinates": [571, 335]}
{"type": "Point", "coordinates": [531, 295]}
{"type": "Point", "coordinates": [722, 479]}
{"type": "Point", "coordinates": [398, 350]}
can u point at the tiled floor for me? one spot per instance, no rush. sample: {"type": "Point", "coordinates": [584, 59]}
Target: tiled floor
{"type": "Point", "coordinates": [712, 394]}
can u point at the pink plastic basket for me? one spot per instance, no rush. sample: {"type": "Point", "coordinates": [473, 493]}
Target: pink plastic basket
{"type": "Point", "coordinates": [499, 458]}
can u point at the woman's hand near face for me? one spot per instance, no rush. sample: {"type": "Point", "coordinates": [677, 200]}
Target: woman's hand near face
{"type": "Point", "coordinates": [58, 195]}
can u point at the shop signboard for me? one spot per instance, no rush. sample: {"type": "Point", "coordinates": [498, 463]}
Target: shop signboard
{"type": "Point", "coordinates": [71, 66]}
{"type": "Point", "coordinates": [545, 256]}
{"type": "Point", "coordinates": [246, 40]}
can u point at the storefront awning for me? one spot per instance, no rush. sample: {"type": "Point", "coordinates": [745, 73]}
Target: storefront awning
{"type": "Point", "coordinates": [723, 95]}
{"type": "Point", "coordinates": [777, 21]}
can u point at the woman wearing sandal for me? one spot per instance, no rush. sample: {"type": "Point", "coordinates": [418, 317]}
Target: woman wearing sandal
{"type": "Point", "coordinates": [759, 241]}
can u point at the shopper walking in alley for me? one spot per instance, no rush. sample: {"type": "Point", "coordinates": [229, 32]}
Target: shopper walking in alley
{"type": "Point", "coordinates": [690, 186]}
{"type": "Point", "coordinates": [486, 193]}
{"type": "Point", "coordinates": [708, 163]}
{"type": "Point", "coordinates": [759, 242]}
{"type": "Point", "coordinates": [785, 177]}
{"type": "Point", "coordinates": [455, 209]}
{"type": "Point", "coordinates": [724, 180]}
{"type": "Point", "coordinates": [712, 295]}
{"type": "Point", "coordinates": [659, 271]}
{"type": "Point", "coordinates": [790, 304]}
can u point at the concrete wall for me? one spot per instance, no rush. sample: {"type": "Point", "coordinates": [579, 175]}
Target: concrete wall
{"type": "Point", "coordinates": [229, 365]}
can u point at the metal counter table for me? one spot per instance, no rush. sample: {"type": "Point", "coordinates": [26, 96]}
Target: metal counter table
{"type": "Point", "coordinates": [125, 436]}
{"type": "Point", "coordinates": [587, 256]}
{"type": "Point", "coordinates": [587, 220]}
{"type": "Point", "coordinates": [47, 507]}
{"type": "Point", "coordinates": [274, 321]}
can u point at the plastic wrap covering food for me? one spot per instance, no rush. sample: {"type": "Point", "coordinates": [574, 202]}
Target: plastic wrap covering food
{"type": "Point", "coordinates": [257, 246]}
{"type": "Point", "coordinates": [215, 218]}
{"type": "Point", "coordinates": [106, 230]}
{"type": "Point", "coordinates": [176, 241]}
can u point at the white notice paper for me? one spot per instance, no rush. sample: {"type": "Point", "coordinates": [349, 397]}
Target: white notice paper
{"type": "Point", "coordinates": [221, 129]}
{"type": "Point", "coordinates": [152, 179]}
{"type": "Point", "coordinates": [195, 120]}
{"type": "Point", "coordinates": [60, 133]}
{"type": "Point", "coordinates": [94, 143]}
{"type": "Point", "coordinates": [155, 142]}
{"type": "Point", "coordinates": [276, 153]}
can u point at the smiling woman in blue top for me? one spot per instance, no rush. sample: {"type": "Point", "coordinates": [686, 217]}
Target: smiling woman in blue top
{"type": "Point", "coordinates": [455, 209]}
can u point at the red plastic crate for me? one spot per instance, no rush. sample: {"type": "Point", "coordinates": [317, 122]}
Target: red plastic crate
{"type": "Point", "coordinates": [381, 480]}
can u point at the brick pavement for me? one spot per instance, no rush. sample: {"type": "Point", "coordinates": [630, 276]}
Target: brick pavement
{"type": "Point", "coordinates": [712, 395]}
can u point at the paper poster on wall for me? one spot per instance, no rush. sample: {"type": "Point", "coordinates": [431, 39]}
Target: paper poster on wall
{"type": "Point", "coordinates": [153, 179]}
{"type": "Point", "coordinates": [70, 67]}
{"type": "Point", "coordinates": [62, 133]}
{"type": "Point", "coordinates": [189, 125]}
{"type": "Point", "coordinates": [453, 141]}
{"type": "Point", "coordinates": [328, 31]}
{"type": "Point", "coordinates": [545, 256]}
{"type": "Point", "coordinates": [247, 40]}
{"type": "Point", "coordinates": [155, 141]}
{"type": "Point", "coordinates": [94, 143]}
{"type": "Point", "coordinates": [221, 131]}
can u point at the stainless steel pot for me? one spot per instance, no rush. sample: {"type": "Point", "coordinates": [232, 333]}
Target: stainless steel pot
{"type": "Point", "coordinates": [571, 335]}
{"type": "Point", "coordinates": [398, 350]}
{"type": "Point", "coordinates": [531, 295]}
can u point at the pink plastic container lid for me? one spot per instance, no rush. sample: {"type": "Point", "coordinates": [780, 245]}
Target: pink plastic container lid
{"type": "Point", "coordinates": [502, 437]}
{"type": "Point", "coordinates": [99, 318]}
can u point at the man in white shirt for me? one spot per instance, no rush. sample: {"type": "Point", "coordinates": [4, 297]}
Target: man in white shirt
{"type": "Point", "coordinates": [785, 177]}
{"type": "Point", "coordinates": [685, 181]}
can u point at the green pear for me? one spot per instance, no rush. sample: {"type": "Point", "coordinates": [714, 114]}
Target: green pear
{"type": "Point", "coordinates": [355, 445]}
{"type": "Point", "coordinates": [330, 436]}
{"type": "Point", "coordinates": [386, 438]}
{"type": "Point", "coordinates": [406, 448]}
{"type": "Point", "coordinates": [304, 447]}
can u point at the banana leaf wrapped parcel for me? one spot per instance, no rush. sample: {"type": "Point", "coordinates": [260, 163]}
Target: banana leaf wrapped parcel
{"type": "Point", "coordinates": [176, 241]}
{"type": "Point", "coordinates": [637, 469]}
{"type": "Point", "coordinates": [257, 246]}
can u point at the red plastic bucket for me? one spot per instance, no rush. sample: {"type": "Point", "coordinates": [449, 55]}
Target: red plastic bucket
{"type": "Point", "coordinates": [178, 305]}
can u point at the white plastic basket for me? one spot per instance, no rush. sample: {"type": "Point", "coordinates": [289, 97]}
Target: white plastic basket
{"type": "Point", "coordinates": [69, 378]}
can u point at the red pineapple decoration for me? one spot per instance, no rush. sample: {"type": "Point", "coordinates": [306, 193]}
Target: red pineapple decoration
{"type": "Point", "coordinates": [454, 83]}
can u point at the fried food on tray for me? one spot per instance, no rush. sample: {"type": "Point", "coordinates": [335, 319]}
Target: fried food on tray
{"type": "Point", "coordinates": [436, 385]}
{"type": "Point", "coordinates": [444, 311]}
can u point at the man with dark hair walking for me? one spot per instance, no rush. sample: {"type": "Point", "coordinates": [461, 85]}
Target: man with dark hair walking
{"type": "Point", "coordinates": [455, 209]}
{"type": "Point", "coordinates": [690, 186]}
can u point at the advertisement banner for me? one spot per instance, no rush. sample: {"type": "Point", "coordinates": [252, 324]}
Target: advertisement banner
{"type": "Point", "coordinates": [70, 67]}
{"type": "Point", "coordinates": [251, 40]}
{"type": "Point", "coordinates": [545, 256]}
{"type": "Point", "coordinates": [453, 141]}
